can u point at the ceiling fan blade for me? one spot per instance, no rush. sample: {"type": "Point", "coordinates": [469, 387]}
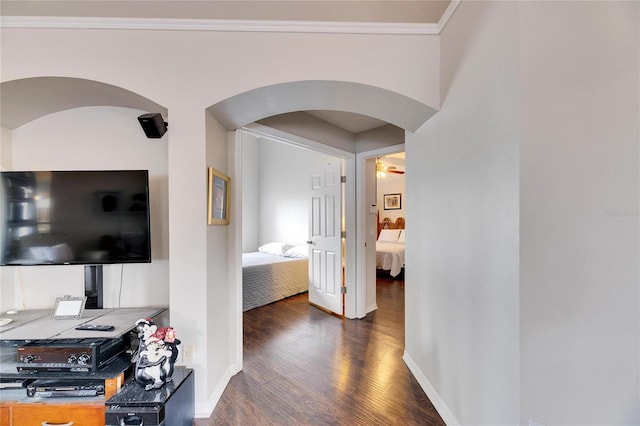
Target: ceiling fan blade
{"type": "Point", "coordinates": [383, 168]}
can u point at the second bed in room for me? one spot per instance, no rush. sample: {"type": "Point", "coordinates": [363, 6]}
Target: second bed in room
{"type": "Point", "coordinates": [390, 251]}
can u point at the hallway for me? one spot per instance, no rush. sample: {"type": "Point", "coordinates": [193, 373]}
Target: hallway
{"type": "Point", "coordinates": [305, 367]}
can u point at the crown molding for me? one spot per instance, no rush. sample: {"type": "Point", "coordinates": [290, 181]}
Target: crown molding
{"type": "Point", "coordinates": [57, 22]}
{"type": "Point", "coordinates": [448, 13]}
{"type": "Point", "coordinates": [162, 24]}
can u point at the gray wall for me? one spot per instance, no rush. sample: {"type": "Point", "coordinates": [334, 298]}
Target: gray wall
{"type": "Point", "coordinates": [276, 193]}
{"type": "Point", "coordinates": [579, 213]}
{"type": "Point", "coordinates": [462, 180]}
{"type": "Point", "coordinates": [522, 299]}
{"type": "Point", "coordinates": [392, 183]}
{"type": "Point", "coordinates": [250, 191]}
{"type": "Point", "coordinates": [60, 141]}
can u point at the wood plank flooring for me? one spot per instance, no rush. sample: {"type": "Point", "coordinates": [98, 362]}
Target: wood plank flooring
{"type": "Point", "coordinates": [303, 366]}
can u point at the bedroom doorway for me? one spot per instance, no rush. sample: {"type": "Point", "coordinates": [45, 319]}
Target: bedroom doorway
{"type": "Point", "coordinates": [371, 202]}
{"type": "Point", "coordinates": [274, 189]}
{"type": "Point", "coordinates": [390, 196]}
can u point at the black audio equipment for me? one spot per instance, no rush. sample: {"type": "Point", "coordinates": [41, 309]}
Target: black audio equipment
{"type": "Point", "coordinates": [62, 388]}
{"type": "Point", "coordinates": [69, 355]}
{"type": "Point", "coordinates": [171, 405]}
{"type": "Point", "coordinates": [153, 125]}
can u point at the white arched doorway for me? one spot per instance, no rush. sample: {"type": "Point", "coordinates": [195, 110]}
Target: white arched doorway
{"type": "Point", "coordinates": [242, 111]}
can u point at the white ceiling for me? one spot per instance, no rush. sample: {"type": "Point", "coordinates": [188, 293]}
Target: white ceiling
{"type": "Point", "coordinates": [352, 122]}
{"type": "Point", "coordinates": [395, 160]}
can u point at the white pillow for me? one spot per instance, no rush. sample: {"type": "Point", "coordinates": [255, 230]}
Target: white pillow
{"type": "Point", "coordinates": [401, 237]}
{"type": "Point", "coordinates": [297, 251]}
{"type": "Point", "coordinates": [276, 248]}
{"type": "Point", "coordinates": [389, 235]}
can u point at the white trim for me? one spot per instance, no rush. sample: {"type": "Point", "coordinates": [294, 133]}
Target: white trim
{"type": "Point", "coordinates": [351, 252]}
{"type": "Point", "coordinates": [234, 158]}
{"type": "Point", "coordinates": [361, 237]}
{"type": "Point", "coordinates": [433, 395]}
{"type": "Point", "coordinates": [380, 152]}
{"type": "Point", "coordinates": [261, 130]}
{"type": "Point", "coordinates": [204, 410]}
{"type": "Point", "coordinates": [362, 211]}
{"type": "Point", "coordinates": [172, 24]}
{"type": "Point", "coordinates": [448, 14]}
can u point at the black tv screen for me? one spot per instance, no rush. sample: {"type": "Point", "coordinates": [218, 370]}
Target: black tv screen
{"type": "Point", "coordinates": [74, 217]}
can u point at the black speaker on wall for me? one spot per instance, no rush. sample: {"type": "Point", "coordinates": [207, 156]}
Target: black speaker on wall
{"type": "Point", "coordinates": [153, 125]}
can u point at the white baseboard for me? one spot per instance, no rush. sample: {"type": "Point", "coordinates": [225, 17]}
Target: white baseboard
{"type": "Point", "coordinates": [204, 410]}
{"type": "Point", "coordinates": [435, 398]}
{"type": "Point", "coordinates": [372, 308]}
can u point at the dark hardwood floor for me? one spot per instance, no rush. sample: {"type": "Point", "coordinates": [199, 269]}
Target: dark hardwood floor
{"type": "Point", "coordinates": [303, 366]}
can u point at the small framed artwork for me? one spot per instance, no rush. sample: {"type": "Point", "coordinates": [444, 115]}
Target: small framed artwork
{"type": "Point", "coordinates": [218, 198]}
{"type": "Point", "coordinates": [392, 201]}
{"type": "Point", "coordinates": [68, 307]}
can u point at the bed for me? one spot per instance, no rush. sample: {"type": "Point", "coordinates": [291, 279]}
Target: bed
{"type": "Point", "coordinates": [390, 249]}
{"type": "Point", "coordinates": [273, 274]}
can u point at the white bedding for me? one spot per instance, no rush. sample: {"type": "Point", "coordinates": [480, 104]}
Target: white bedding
{"type": "Point", "coordinates": [267, 278]}
{"type": "Point", "coordinates": [390, 257]}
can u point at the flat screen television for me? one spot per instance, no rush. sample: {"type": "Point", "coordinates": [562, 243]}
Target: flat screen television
{"type": "Point", "coordinates": [74, 217]}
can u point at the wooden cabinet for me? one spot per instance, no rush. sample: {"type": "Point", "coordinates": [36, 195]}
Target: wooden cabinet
{"type": "Point", "coordinates": [41, 414]}
{"type": "Point", "coordinates": [16, 409]}
{"type": "Point", "coordinates": [5, 415]}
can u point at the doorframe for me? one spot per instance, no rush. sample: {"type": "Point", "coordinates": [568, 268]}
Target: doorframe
{"type": "Point", "coordinates": [356, 207]}
{"type": "Point", "coordinates": [348, 197]}
{"type": "Point", "coordinates": [362, 184]}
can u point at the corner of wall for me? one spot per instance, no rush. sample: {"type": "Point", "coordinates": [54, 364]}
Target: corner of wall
{"type": "Point", "coordinates": [433, 395]}
{"type": "Point", "coordinates": [6, 152]}
{"type": "Point", "coordinates": [204, 410]}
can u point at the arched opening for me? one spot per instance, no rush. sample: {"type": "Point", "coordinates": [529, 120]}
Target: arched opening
{"type": "Point", "coordinates": [284, 100]}
{"type": "Point", "coordinates": [64, 123]}
{"type": "Point", "coordinates": [27, 99]}
{"type": "Point", "coordinates": [391, 107]}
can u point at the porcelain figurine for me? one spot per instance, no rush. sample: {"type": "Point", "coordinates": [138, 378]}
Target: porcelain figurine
{"type": "Point", "coordinates": [156, 355]}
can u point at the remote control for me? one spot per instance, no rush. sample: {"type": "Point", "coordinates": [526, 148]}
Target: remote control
{"type": "Point", "coordinates": [95, 327]}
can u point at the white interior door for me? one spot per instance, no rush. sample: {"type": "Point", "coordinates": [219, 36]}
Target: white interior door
{"type": "Point", "coordinates": [325, 248]}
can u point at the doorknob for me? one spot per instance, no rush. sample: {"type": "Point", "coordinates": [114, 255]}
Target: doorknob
{"type": "Point", "coordinates": [309, 242]}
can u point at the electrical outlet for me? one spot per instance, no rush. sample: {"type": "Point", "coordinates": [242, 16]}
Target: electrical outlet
{"type": "Point", "coordinates": [187, 354]}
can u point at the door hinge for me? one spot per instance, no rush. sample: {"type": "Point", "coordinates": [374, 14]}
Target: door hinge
{"type": "Point", "coordinates": [343, 179]}
{"type": "Point", "coordinates": [343, 234]}
{"type": "Point", "coordinates": [343, 290]}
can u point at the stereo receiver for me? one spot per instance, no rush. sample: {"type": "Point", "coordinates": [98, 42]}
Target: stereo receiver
{"type": "Point", "coordinates": [69, 355]}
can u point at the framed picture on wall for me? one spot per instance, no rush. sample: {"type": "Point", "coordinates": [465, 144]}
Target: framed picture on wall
{"type": "Point", "coordinates": [392, 201]}
{"type": "Point", "coordinates": [218, 198]}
